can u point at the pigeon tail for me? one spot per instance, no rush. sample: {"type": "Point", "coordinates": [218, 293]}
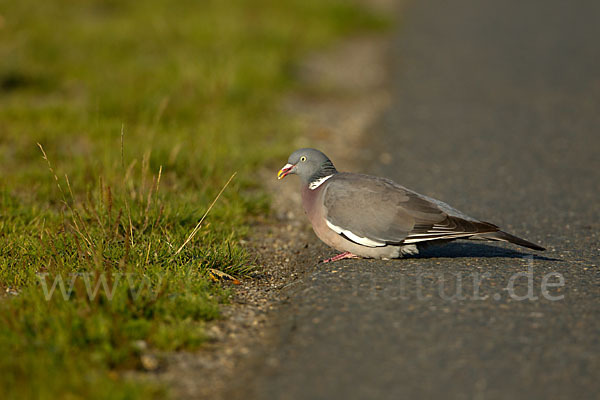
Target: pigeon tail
{"type": "Point", "coordinates": [507, 237]}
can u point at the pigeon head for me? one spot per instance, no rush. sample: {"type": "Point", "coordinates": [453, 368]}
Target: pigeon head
{"type": "Point", "coordinates": [309, 164]}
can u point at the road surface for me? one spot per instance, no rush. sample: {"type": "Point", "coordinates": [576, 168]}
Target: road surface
{"type": "Point", "coordinates": [496, 111]}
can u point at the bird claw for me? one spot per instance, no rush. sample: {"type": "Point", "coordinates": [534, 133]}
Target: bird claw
{"type": "Point", "coordinates": [341, 256]}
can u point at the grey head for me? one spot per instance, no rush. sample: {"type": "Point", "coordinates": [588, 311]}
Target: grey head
{"type": "Point", "coordinates": [309, 164]}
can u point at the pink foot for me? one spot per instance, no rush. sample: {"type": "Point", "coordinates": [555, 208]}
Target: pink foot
{"type": "Point", "coordinates": [341, 256]}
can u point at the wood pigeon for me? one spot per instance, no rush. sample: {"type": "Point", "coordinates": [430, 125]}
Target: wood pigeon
{"type": "Point", "coordinates": [373, 217]}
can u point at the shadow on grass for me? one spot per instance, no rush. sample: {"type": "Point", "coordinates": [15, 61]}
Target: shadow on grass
{"type": "Point", "coordinates": [475, 250]}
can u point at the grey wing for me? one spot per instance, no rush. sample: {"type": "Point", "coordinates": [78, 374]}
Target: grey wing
{"type": "Point", "coordinates": [377, 212]}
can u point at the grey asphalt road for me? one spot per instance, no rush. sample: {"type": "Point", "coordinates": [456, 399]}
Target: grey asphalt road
{"type": "Point", "coordinates": [497, 112]}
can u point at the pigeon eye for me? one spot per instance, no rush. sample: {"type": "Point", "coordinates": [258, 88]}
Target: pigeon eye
{"type": "Point", "coordinates": [303, 158]}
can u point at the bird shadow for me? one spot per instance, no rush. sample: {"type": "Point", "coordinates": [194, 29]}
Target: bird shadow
{"type": "Point", "coordinates": [474, 250]}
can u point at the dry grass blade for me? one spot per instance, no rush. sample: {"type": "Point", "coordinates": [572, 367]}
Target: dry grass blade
{"type": "Point", "coordinates": [45, 157]}
{"type": "Point", "coordinates": [217, 275]}
{"type": "Point", "coordinates": [195, 230]}
{"type": "Point", "coordinates": [74, 214]}
{"type": "Point", "coordinates": [122, 150]}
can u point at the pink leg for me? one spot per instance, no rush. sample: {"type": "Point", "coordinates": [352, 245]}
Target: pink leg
{"type": "Point", "coordinates": [341, 256]}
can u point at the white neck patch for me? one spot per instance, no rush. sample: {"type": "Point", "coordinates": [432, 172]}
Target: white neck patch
{"type": "Point", "coordinates": [318, 182]}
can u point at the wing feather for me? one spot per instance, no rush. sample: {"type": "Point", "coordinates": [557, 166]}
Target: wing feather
{"type": "Point", "coordinates": [375, 212]}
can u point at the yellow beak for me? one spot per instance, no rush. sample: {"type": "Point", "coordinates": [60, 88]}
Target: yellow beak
{"type": "Point", "coordinates": [284, 171]}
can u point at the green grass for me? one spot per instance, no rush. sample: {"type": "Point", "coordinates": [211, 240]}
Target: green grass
{"type": "Point", "coordinates": [144, 109]}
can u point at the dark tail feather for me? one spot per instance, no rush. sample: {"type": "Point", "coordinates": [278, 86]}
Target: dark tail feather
{"type": "Point", "coordinates": [507, 237]}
